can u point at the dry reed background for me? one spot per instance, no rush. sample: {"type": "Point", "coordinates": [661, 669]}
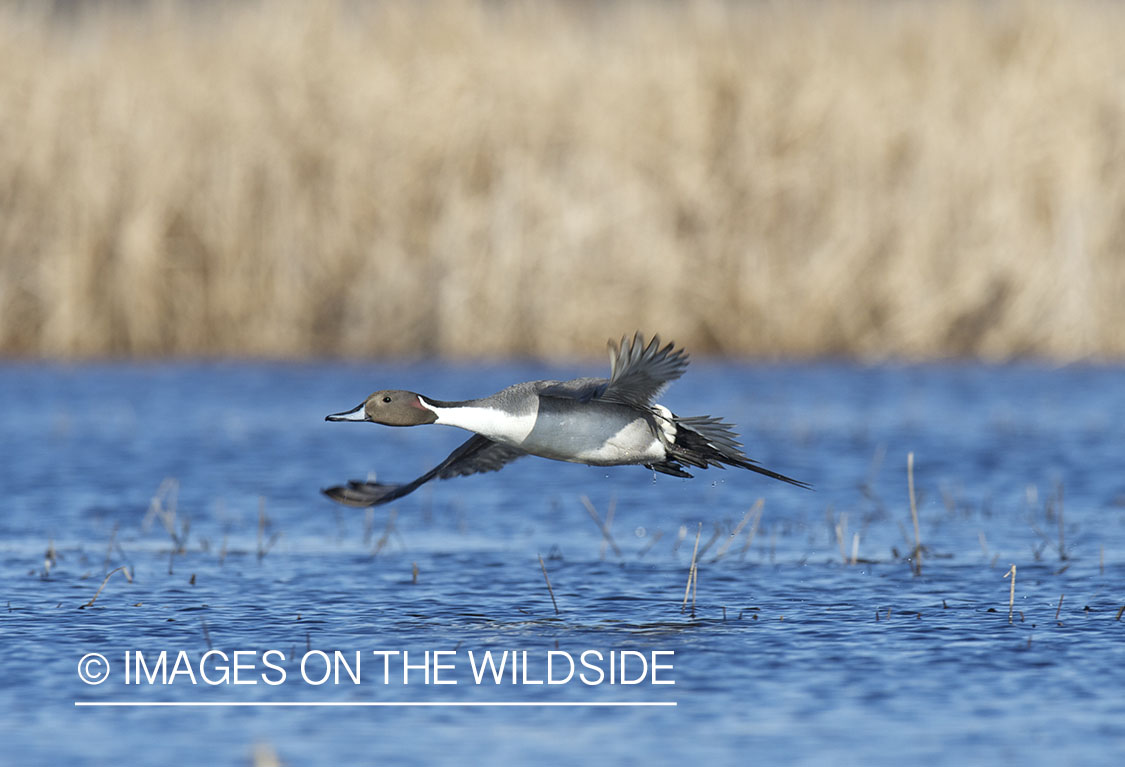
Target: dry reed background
{"type": "Point", "coordinates": [283, 179]}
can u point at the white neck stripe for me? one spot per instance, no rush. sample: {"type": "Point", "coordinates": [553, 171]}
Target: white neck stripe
{"type": "Point", "coordinates": [488, 422]}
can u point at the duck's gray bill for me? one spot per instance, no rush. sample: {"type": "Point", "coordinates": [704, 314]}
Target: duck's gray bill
{"type": "Point", "coordinates": [355, 414]}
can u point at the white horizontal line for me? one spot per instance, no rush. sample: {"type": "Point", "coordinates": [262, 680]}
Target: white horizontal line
{"type": "Point", "coordinates": [373, 703]}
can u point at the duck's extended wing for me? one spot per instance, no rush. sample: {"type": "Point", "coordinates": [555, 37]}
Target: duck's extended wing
{"type": "Point", "coordinates": [476, 455]}
{"type": "Point", "coordinates": [638, 373]}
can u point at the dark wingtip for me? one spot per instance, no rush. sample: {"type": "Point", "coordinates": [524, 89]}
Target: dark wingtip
{"type": "Point", "coordinates": [361, 494]}
{"type": "Point", "coordinates": [350, 496]}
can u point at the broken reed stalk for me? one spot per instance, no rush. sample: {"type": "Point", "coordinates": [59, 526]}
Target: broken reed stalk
{"type": "Point", "coordinates": [550, 590]}
{"type": "Point", "coordinates": [694, 584]}
{"type": "Point", "coordinates": [163, 507]}
{"type": "Point", "coordinates": [655, 539]}
{"type": "Point", "coordinates": [711, 541]}
{"type": "Point", "coordinates": [608, 522]}
{"type": "Point", "coordinates": [1012, 592]}
{"type": "Point", "coordinates": [598, 521]}
{"type": "Point", "coordinates": [262, 522]}
{"type": "Point", "coordinates": [691, 572]}
{"type": "Point", "coordinates": [386, 536]}
{"type": "Point", "coordinates": [750, 535]}
{"type": "Point", "coordinates": [1062, 542]}
{"type": "Point", "coordinates": [104, 582]}
{"type": "Point", "coordinates": [1059, 608]}
{"type": "Point", "coordinates": [917, 565]}
{"type": "Point", "coordinates": [841, 527]}
{"type": "Point", "coordinates": [50, 558]}
{"type": "Point", "coordinates": [855, 548]}
{"type": "Point", "coordinates": [368, 525]}
{"type": "Point", "coordinates": [109, 547]}
{"type": "Point", "coordinates": [755, 509]}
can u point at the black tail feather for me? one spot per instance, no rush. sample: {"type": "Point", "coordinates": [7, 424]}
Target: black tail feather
{"type": "Point", "coordinates": [704, 441]}
{"type": "Point", "coordinates": [749, 464]}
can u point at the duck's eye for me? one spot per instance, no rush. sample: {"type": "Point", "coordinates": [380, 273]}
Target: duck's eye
{"type": "Point", "coordinates": [386, 399]}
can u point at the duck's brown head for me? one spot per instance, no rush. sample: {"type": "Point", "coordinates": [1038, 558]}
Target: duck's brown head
{"type": "Point", "coordinates": [391, 407]}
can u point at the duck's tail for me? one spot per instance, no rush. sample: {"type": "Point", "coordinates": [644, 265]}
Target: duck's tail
{"type": "Point", "coordinates": [703, 441]}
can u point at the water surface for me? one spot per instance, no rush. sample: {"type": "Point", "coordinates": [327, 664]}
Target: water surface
{"type": "Point", "coordinates": [202, 480]}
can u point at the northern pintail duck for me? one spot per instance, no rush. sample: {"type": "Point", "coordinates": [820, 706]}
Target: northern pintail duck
{"type": "Point", "coordinates": [596, 421]}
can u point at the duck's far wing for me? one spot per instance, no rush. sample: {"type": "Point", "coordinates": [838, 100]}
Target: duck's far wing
{"type": "Point", "coordinates": [639, 372]}
{"type": "Point", "coordinates": [580, 389]}
{"type": "Point", "coordinates": [477, 455]}
{"type": "Point", "coordinates": [474, 456]}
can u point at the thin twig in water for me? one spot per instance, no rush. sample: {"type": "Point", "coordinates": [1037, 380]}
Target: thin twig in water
{"type": "Point", "coordinates": [711, 541]}
{"type": "Point", "coordinates": [841, 527]}
{"type": "Point", "coordinates": [656, 537]}
{"type": "Point", "coordinates": [1062, 543]}
{"type": "Point", "coordinates": [868, 486]}
{"type": "Point", "coordinates": [109, 548]}
{"type": "Point", "coordinates": [264, 546]}
{"type": "Point", "coordinates": [694, 584]}
{"type": "Point", "coordinates": [163, 507]}
{"type": "Point", "coordinates": [1012, 592]}
{"type": "Point", "coordinates": [751, 533]}
{"type": "Point", "coordinates": [914, 514]}
{"type": "Point", "coordinates": [104, 582]}
{"type": "Point", "coordinates": [598, 521]}
{"type": "Point", "coordinates": [1059, 608]}
{"type": "Point", "coordinates": [550, 590]}
{"type": "Point", "coordinates": [368, 525]}
{"type": "Point", "coordinates": [50, 558]}
{"type": "Point", "coordinates": [386, 536]}
{"type": "Point", "coordinates": [680, 535]}
{"type": "Point", "coordinates": [756, 508]}
{"type": "Point", "coordinates": [691, 570]}
{"type": "Point", "coordinates": [608, 523]}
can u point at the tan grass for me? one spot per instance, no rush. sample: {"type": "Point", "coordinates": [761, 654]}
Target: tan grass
{"type": "Point", "coordinates": [466, 178]}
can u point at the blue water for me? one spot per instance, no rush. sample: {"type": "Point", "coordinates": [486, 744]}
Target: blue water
{"type": "Point", "coordinates": [793, 654]}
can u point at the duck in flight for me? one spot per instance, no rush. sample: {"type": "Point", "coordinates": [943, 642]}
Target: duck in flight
{"type": "Point", "coordinates": [596, 421]}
